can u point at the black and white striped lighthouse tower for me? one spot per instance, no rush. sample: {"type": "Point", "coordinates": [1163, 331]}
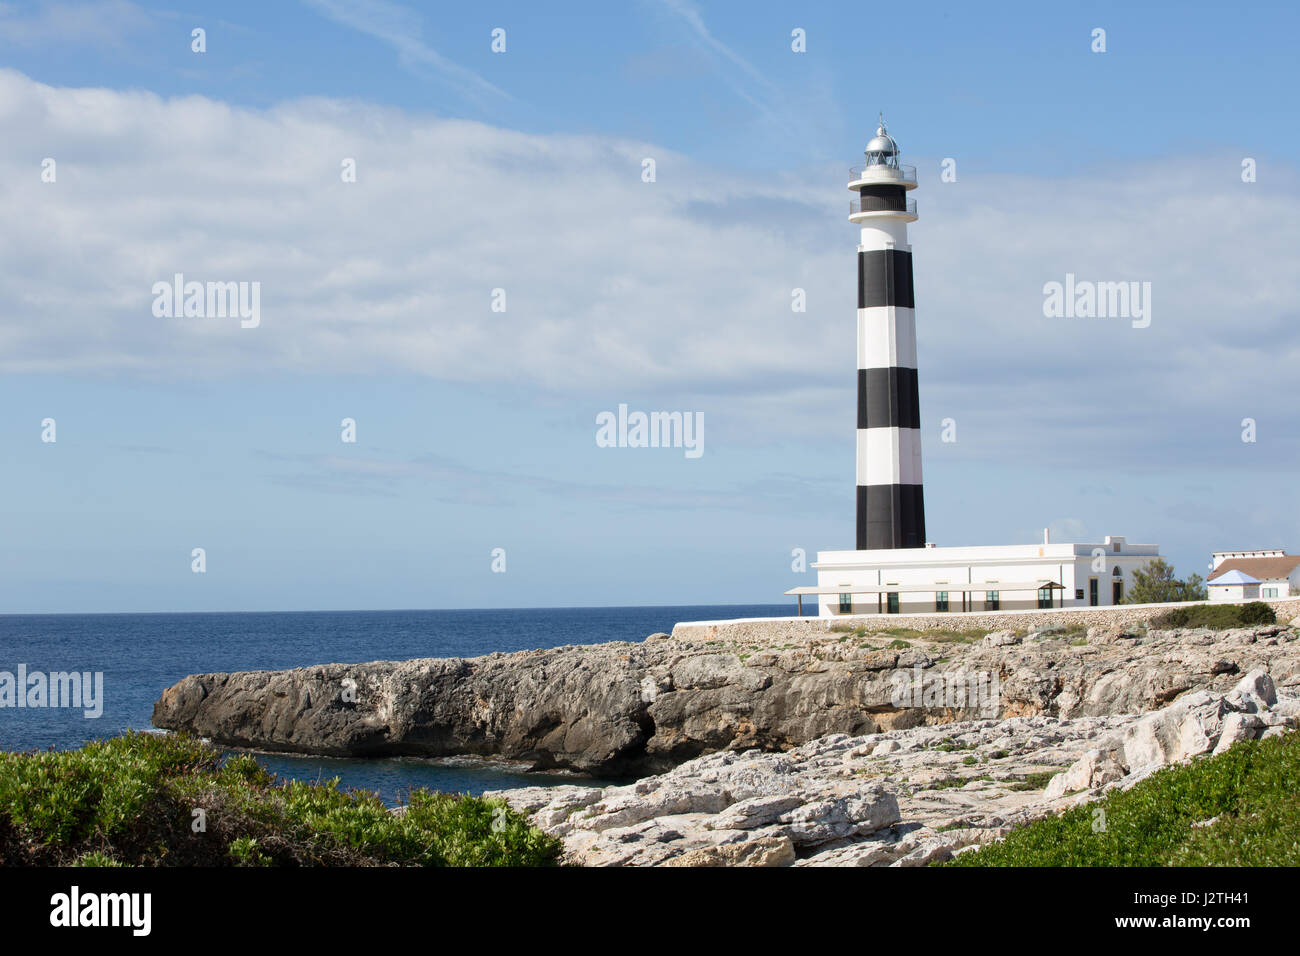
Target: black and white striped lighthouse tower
{"type": "Point", "coordinates": [891, 511]}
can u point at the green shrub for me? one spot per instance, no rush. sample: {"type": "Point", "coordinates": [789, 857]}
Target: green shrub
{"type": "Point", "coordinates": [130, 800]}
{"type": "Point", "coordinates": [95, 858]}
{"type": "Point", "coordinates": [1257, 612]}
{"type": "Point", "coordinates": [1216, 616]}
{"type": "Point", "coordinates": [1250, 789]}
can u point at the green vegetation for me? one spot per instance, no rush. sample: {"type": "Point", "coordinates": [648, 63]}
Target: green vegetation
{"type": "Point", "coordinates": [1216, 616]}
{"type": "Point", "coordinates": [942, 635]}
{"type": "Point", "coordinates": [948, 746]}
{"type": "Point", "coordinates": [131, 800]}
{"type": "Point", "coordinates": [1250, 789]}
{"type": "Point", "coordinates": [897, 645]}
{"type": "Point", "coordinates": [1154, 583]}
{"type": "Point", "coordinates": [1034, 781]}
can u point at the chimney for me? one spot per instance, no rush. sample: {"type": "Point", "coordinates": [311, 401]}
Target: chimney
{"type": "Point", "coordinates": [1047, 536]}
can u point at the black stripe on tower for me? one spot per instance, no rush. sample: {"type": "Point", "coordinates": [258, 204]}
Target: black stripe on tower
{"type": "Point", "coordinates": [890, 516]}
{"type": "Point", "coordinates": [885, 278]}
{"type": "Point", "coordinates": [893, 198]}
{"type": "Point", "coordinates": [888, 398]}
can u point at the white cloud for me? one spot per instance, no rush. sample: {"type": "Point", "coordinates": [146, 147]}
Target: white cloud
{"type": "Point", "coordinates": [621, 288]}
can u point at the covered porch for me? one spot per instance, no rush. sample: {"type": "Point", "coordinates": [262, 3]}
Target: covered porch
{"type": "Point", "coordinates": [888, 595]}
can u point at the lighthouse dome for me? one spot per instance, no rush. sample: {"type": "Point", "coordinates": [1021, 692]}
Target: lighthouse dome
{"type": "Point", "coordinates": [882, 150]}
{"type": "Point", "coordinates": [882, 142]}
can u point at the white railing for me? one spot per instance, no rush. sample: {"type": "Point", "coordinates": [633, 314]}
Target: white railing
{"type": "Point", "coordinates": [871, 204]}
{"type": "Point", "coordinates": [884, 174]}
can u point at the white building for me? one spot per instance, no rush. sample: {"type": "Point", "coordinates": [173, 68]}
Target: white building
{"type": "Point", "coordinates": [1234, 585]}
{"type": "Point", "coordinates": [994, 578]}
{"type": "Point", "coordinates": [1276, 574]}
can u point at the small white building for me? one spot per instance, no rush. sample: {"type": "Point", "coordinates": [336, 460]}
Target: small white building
{"type": "Point", "coordinates": [1234, 585]}
{"type": "Point", "coordinates": [996, 578]}
{"type": "Point", "coordinates": [1276, 574]}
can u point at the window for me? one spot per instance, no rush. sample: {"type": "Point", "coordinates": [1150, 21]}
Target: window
{"type": "Point", "coordinates": [992, 601]}
{"type": "Point", "coordinates": [893, 602]}
{"type": "Point", "coordinates": [1078, 594]}
{"type": "Point", "coordinates": [846, 603]}
{"type": "Point", "coordinates": [1044, 597]}
{"type": "Point", "coordinates": [941, 600]}
{"type": "Point", "coordinates": [1268, 592]}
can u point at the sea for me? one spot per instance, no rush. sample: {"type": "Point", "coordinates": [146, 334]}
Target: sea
{"type": "Point", "coordinates": [140, 655]}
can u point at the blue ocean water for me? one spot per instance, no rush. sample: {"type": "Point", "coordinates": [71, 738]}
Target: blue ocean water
{"type": "Point", "coordinates": [140, 655]}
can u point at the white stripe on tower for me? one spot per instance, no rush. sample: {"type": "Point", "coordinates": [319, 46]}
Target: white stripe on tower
{"type": "Point", "coordinates": [890, 503]}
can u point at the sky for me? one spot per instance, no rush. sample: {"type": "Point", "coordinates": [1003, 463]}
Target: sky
{"type": "Point", "coordinates": [462, 251]}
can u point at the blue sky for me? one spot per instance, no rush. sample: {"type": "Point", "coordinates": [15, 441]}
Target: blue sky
{"type": "Point", "coordinates": [522, 170]}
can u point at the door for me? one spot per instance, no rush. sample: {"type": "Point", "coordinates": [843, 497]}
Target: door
{"type": "Point", "coordinates": [893, 602]}
{"type": "Point", "coordinates": [1116, 592]}
{"type": "Point", "coordinates": [1092, 591]}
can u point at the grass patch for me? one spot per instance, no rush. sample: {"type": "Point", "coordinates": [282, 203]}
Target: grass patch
{"type": "Point", "coordinates": [1034, 781]}
{"type": "Point", "coordinates": [1250, 788]}
{"type": "Point", "coordinates": [1215, 616]}
{"type": "Point", "coordinates": [948, 783]}
{"type": "Point", "coordinates": [948, 746]}
{"type": "Point", "coordinates": [897, 645]}
{"type": "Point", "coordinates": [130, 800]}
{"type": "Point", "coordinates": [941, 636]}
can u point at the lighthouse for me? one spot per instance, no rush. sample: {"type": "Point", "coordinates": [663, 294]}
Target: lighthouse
{"type": "Point", "coordinates": [890, 507]}
{"type": "Point", "coordinates": [893, 569]}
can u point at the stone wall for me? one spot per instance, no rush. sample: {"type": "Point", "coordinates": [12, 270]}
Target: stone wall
{"type": "Point", "coordinates": [758, 629]}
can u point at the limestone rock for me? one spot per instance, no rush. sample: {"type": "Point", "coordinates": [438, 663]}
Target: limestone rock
{"type": "Point", "coordinates": [1001, 639]}
{"type": "Point", "coordinates": [1095, 768]}
{"type": "Point", "coordinates": [1238, 727]}
{"type": "Point", "coordinates": [1254, 693]}
{"type": "Point", "coordinates": [763, 851]}
{"type": "Point", "coordinates": [841, 800]}
{"type": "Point", "coordinates": [627, 709]}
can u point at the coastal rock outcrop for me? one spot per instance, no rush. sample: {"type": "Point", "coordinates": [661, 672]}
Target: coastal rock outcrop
{"type": "Point", "coordinates": [630, 709]}
{"type": "Point", "coordinates": [902, 798]}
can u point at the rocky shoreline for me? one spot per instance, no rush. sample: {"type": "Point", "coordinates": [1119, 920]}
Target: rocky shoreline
{"type": "Point", "coordinates": [899, 798]}
{"type": "Point", "coordinates": [631, 710]}
{"type": "Point", "coordinates": [842, 748]}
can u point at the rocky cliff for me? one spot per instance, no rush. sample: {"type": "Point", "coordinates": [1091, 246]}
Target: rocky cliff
{"type": "Point", "coordinates": [635, 709]}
